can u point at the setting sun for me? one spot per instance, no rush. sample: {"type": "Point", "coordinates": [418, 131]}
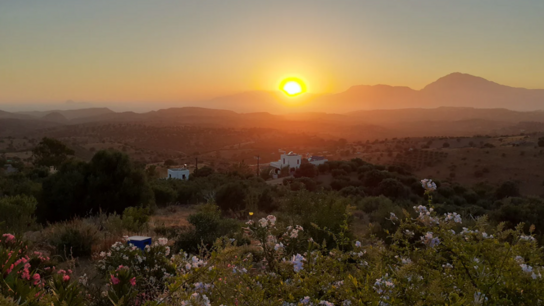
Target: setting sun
{"type": "Point", "coordinates": [292, 86]}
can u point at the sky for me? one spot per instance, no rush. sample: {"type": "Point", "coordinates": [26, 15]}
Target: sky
{"type": "Point", "coordinates": [144, 52]}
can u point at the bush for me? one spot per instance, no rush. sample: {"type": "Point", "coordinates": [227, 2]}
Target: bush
{"type": "Point", "coordinates": [164, 194]}
{"type": "Point", "coordinates": [207, 227]}
{"type": "Point", "coordinates": [135, 219]}
{"type": "Point", "coordinates": [74, 238]}
{"type": "Point", "coordinates": [392, 188]}
{"type": "Point", "coordinates": [306, 170]}
{"type": "Point", "coordinates": [17, 214]}
{"type": "Point", "coordinates": [507, 189]}
{"type": "Point", "coordinates": [339, 172]}
{"type": "Point", "coordinates": [231, 197]}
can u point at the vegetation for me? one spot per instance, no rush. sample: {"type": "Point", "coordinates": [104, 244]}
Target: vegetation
{"type": "Point", "coordinates": [369, 235]}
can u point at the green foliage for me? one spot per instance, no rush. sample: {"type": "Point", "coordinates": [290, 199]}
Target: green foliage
{"type": "Point", "coordinates": [316, 212]}
{"type": "Point", "coordinates": [164, 193]}
{"type": "Point", "coordinates": [231, 197]}
{"type": "Point", "coordinates": [74, 238]}
{"type": "Point", "coordinates": [114, 184]}
{"type": "Point", "coordinates": [306, 170]}
{"type": "Point", "coordinates": [17, 214]}
{"type": "Point", "coordinates": [108, 183]}
{"type": "Point", "coordinates": [507, 189]}
{"type": "Point", "coordinates": [135, 219]}
{"type": "Point", "coordinates": [51, 152]}
{"type": "Point", "coordinates": [207, 226]}
{"type": "Point", "coordinates": [203, 172]}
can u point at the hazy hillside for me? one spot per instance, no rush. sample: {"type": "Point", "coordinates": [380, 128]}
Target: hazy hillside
{"type": "Point", "coordinates": [453, 90]}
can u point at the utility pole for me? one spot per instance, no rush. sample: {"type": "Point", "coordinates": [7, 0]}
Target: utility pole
{"type": "Point", "coordinates": [258, 157]}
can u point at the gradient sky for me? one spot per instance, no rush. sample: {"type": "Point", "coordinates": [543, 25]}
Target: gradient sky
{"type": "Point", "coordinates": [139, 51]}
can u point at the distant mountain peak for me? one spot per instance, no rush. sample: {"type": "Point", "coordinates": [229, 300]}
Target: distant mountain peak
{"type": "Point", "coordinates": [458, 80]}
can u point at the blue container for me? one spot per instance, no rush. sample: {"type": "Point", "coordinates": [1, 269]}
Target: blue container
{"type": "Point", "coordinates": [139, 241]}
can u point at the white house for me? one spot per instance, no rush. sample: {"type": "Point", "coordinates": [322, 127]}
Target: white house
{"type": "Point", "coordinates": [178, 173]}
{"type": "Point", "coordinates": [291, 160]}
{"type": "Point", "coordinates": [317, 160]}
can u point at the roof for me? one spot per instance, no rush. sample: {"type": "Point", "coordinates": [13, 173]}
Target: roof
{"type": "Point", "coordinates": [138, 238]}
{"type": "Point", "coordinates": [317, 158]}
{"type": "Point", "coordinates": [178, 169]}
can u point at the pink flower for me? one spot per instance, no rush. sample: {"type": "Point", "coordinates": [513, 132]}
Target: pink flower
{"type": "Point", "coordinates": [36, 278]}
{"type": "Point", "coordinates": [133, 281]}
{"type": "Point", "coordinates": [114, 280]}
{"type": "Point", "coordinates": [9, 237]}
{"type": "Point", "coordinates": [66, 278]}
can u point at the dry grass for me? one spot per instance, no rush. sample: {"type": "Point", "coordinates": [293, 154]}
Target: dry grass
{"type": "Point", "coordinates": [173, 216]}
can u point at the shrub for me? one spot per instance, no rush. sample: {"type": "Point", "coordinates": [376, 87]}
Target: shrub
{"type": "Point", "coordinates": [507, 189]}
{"type": "Point", "coordinates": [131, 270]}
{"type": "Point", "coordinates": [164, 194]}
{"type": "Point", "coordinates": [135, 219]}
{"type": "Point", "coordinates": [231, 197]}
{"type": "Point", "coordinates": [207, 226]}
{"type": "Point", "coordinates": [17, 214]}
{"type": "Point", "coordinates": [74, 238]}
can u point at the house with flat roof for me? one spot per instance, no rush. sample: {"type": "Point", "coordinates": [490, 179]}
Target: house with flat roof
{"type": "Point", "coordinates": [178, 174]}
{"type": "Point", "coordinates": [317, 160]}
{"type": "Point", "coordinates": [290, 160]}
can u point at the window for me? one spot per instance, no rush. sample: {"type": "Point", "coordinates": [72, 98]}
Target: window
{"type": "Point", "coordinates": [298, 161]}
{"type": "Point", "coordinates": [183, 176]}
{"type": "Point", "coordinates": [169, 175]}
{"type": "Point", "coordinates": [284, 160]}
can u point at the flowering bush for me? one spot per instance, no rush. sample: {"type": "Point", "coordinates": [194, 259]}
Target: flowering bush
{"type": "Point", "coordinates": [30, 279]}
{"type": "Point", "coordinates": [127, 267]}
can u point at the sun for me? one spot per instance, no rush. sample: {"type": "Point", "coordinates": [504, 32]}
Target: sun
{"type": "Point", "coordinates": [293, 87]}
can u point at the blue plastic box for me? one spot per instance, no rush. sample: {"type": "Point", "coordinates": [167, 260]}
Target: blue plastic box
{"type": "Point", "coordinates": [139, 241]}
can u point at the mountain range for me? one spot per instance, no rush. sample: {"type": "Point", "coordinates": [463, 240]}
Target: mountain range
{"type": "Point", "coordinates": [453, 90]}
{"type": "Point", "coordinates": [457, 104]}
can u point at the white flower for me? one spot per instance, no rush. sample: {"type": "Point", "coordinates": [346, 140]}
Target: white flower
{"type": "Point", "coordinates": [278, 246]}
{"type": "Point", "coordinates": [167, 252]}
{"type": "Point", "coordinates": [428, 184]}
{"type": "Point", "coordinates": [271, 219]}
{"type": "Point", "coordinates": [305, 300]}
{"type": "Point", "coordinates": [519, 259]}
{"type": "Point", "coordinates": [393, 217]}
{"type": "Point", "coordinates": [526, 268]}
{"type": "Point", "coordinates": [297, 262]}
{"type": "Point", "coordinates": [102, 254]}
{"type": "Point", "coordinates": [263, 222]}
{"type": "Point", "coordinates": [358, 244]}
{"type": "Point", "coordinates": [163, 241]}
{"type": "Point", "coordinates": [429, 240]}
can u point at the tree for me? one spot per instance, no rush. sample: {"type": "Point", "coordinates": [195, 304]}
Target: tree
{"type": "Point", "coordinates": [541, 141]}
{"type": "Point", "coordinates": [114, 184]}
{"type": "Point", "coordinates": [306, 170]}
{"type": "Point", "coordinates": [507, 189]}
{"type": "Point", "coordinates": [392, 188]}
{"type": "Point", "coordinates": [231, 197]}
{"type": "Point", "coordinates": [169, 163]}
{"type": "Point", "coordinates": [51, 152]}
{"type": "Point", "coordinates": [445, 145]}
{"type": "Point", "coordinates": [109, 183]}
{"type": "Point", "coordinates": [203, 172]}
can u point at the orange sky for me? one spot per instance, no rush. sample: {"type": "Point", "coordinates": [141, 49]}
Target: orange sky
{"type": "Point", "coordinates": [140, 51]}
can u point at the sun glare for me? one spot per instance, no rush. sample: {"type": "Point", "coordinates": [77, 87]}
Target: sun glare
{"type": "Point", "coordinates": [292, 87]}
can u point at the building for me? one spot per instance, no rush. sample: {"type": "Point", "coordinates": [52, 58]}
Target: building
{"type": "Point", "coordinates": [10, 169]}
{"type": "Point", "coordinates": [178, 174]}
{"type": "Point", "coordinates": [317, 160]}
{"type": "Point", "coordinates": [290, 160]}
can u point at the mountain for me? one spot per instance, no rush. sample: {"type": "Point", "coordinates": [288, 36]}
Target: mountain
{"type": "Point", "coordinates": [454, 90]}
{"type": "Point", "coordinates": [458, 89]}
{"type": "Point", "coordinates": [55, 117]}
{"type": "Point", "coordinates": [72, 114]}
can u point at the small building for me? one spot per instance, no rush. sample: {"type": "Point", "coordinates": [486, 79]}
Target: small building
{"type": "Point", "coordinates": [317, 160]}
{"type": "Point", "coordinates": [290, 160]}
{"type": "Point", "coordinates": [10, 169]}
{"type": "Point", "coordinates": [178, 174]}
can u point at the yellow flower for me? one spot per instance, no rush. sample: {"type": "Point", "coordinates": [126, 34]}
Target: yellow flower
{"type": "Point", "coordinates": [251, 214]}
